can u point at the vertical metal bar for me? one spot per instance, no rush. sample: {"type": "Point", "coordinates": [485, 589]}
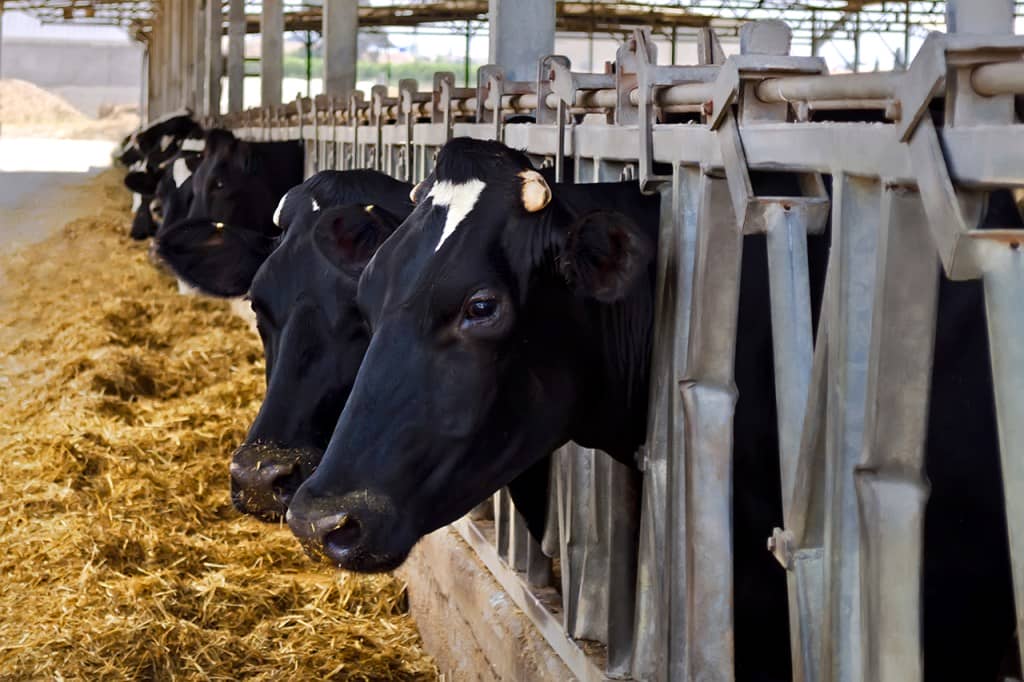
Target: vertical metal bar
{"type": "Point", "coordinates": [236, 55]}
{"type": "Point", "coordinates": [676, 301]}
{"type": "Point", "coordinates": [792, 345]}
{"type": "Point", "coordinates": [590, 537]}
{"type": "Point", "coordinates": [709, 402]}
{"type": "Point", "coordinates": [271, 52]}
{"type": "Point", "coordinates": [792, 339]}
{"type": "Point", "coordinates": [465, 65]}
{"type": "Point", "coordinates": [518, 540]}
{"type": "Point", "coordinates": [856, 214]}
{"type": "Point", "coordinates": [651, 625]}
{"type": "Point", "coordinates": [891, 489]}
{"type": "Point", "coordinates": [1004, 286]}
{"type": "Point", "coordinates": [502, 508]}
{"type": "Point", "coordinates": [906, 36]}
{"type": "Point", "coordinates": [804, 518]}
{"type": "Point", "coordinates": [856, 42]}
{"type": "Point", "coordinates": [623, 521]}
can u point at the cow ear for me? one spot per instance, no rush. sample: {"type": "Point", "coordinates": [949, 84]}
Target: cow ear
{"type": "Point", "coordinates": [348, 236]}
{"type": "Point", "coordinates": [140, 182]}
{"type": "Point", "coordinates": [218, 260]}
{"type": "Point", "coordinates": [604, 254]}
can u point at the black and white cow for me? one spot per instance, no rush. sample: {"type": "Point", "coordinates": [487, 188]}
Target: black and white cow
{"type": "Point", "coordinates": [303, 295]}
{"type": "Point", "coordinates": [507, 318]}
{"type": "Point", "coordinates": [150, 156]}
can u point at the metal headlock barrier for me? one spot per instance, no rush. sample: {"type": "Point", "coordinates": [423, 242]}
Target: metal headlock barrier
{"type": "Point", "coordinates": [646, 565]}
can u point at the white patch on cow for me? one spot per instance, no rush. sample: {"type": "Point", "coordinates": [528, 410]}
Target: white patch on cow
{"type": "Point", "coordinates": [316, 206]}
{"type": "Point", "coordinates": [186, 289]}
{"type": "Point", "coordinates": [192, 144]}
{"type": "Point", "coordinates": [167, 117]}
{"type": "Point", "coordinates": [136, 201]}
{"type": "Point", "coordinates": [459, 199]}
{"type": "Point", "coordinates": [165, 142]}
{"type": "Point", "coordinates": [368, 208]}
{"type": "Point", "coordinates": [280, 207]}
{"type": "Point", "coordinates": [180, 172]}
{"type": "Point", "coordinates": [137, 166]}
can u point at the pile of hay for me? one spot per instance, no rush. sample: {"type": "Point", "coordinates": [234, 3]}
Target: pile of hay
{"type": "Point", "coordinates": [31, 111]}
{"type": "Point", "coordinates": [122, 556]}
{"type": "Point", "coordinates": [23, 103]}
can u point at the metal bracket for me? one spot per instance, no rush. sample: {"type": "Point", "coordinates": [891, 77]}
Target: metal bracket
{"type": "Point", "coordinates": [780, 544]}
{"type": "Point", "coordinates": [649, 77]}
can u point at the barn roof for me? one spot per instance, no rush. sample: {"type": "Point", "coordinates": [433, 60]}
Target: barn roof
{"type": "Point", "coordinates": [814, 21]}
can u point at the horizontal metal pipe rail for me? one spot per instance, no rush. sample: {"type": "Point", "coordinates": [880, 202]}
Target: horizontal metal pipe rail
{"type": "Point", "coordinates": [650, 586]}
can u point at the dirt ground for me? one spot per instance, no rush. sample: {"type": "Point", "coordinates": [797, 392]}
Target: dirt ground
{"type": "Point", "coordinates": [123, 558]}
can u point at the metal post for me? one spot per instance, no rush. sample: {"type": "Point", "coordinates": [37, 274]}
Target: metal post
{"type": "Point", "coordinates": [906, 36]}
{"type": "Point", "coordinates": [271, 52]}
{"type": "Point", "coordinates": [891, 489]}
{"type": "Point", "coordinates": [172, 31]}
{"type": "Point", "coordinates": [521, 32]}
{"type": "Point", "coordinates": [856, 43]}
{"type": "Point", "coordinates": [309, 64]}
{"type": "Point", "coordinates": [200, 53]}
{"type": "Point", "coordinates": [1004, 282]}
{"type": "Point", "coordinates": [340, 33]}
{"type": "Point", "coordinates": [214, 62]}
{"type": "Point", "coordinates": [236, 55]}
{"type": "Point", "coordinates": [469, 36]}
{"type": "Point", "coordinates": [856, 215]}
{"type": "Point", "coordinates": [814, 37]}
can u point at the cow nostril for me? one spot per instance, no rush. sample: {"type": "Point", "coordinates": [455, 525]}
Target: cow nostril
{"type": "Point", "coordinates": [285, 485]}
{"type": "Point", "coordinates": [344, 538]}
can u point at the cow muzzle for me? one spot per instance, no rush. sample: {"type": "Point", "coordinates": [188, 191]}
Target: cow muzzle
{"type": "Point", "coordinates": [264, 478]}
{"type": "Point", "coordinates": [356, 532]}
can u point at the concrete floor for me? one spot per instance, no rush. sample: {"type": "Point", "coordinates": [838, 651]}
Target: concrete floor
{"type": "Point", "coordinates": [37, 180]}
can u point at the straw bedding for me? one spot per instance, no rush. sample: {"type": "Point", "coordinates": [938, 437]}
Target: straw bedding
{"type": "Point", "coordinates": [121, 555]}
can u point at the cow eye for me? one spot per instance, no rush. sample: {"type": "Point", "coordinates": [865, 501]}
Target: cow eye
{"type": "Point", "coordinates": [481, 307]}
{"type": "Point", "coordinates": [218, 183]}
{"type": "Point", "coordinates": [478, 309]}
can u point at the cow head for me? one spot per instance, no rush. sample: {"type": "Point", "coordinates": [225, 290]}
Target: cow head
{"type": "Point", "coordinates": [485, 354]}
{"type": "Point", "coordinates": [152, 152]}
{"type": "Point", "coordinates": [302, 287]}
{"type": "Point", "coordinates": [235, 185]}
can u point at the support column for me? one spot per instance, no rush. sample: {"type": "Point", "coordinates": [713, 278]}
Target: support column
{"type": "Point", "coordinates": [522, 31]}
{"type": "Point", "coordinates": [214, 62]}
{"type": "Point", "coordinates": [197, 54]}
{"type": "Point", "coordinates": [236, 55]}
{"type": "Point", "coordinates": [340, 32]}
{"type": "Point", "coordinates": [271, 52]}
{"type": "Point", "coordinates": [172, 33]}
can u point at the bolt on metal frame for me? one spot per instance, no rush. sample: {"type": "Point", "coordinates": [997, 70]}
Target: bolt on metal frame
{"type": "Point", "coordinates": [646, 563]}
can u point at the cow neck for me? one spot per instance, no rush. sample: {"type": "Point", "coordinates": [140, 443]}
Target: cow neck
{"type": "Point", "coordinates": [611, 354]}
{"type": "Point", "coordinates": [614, 400]}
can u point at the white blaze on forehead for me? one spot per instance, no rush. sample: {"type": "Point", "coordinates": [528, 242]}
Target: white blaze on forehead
{"type": "Point", "coordinates": [316, 206]}
{"type": "Point", "coordinates": [459, 199]}
{"type": "Point", "coordinates": [181, 172]}
{"type": "Point", "coordinates": [192, 144]}
{"type": "Point", "coordinates": [280, 207]}
{"type": "Point", "coordinates": [136, 201]}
